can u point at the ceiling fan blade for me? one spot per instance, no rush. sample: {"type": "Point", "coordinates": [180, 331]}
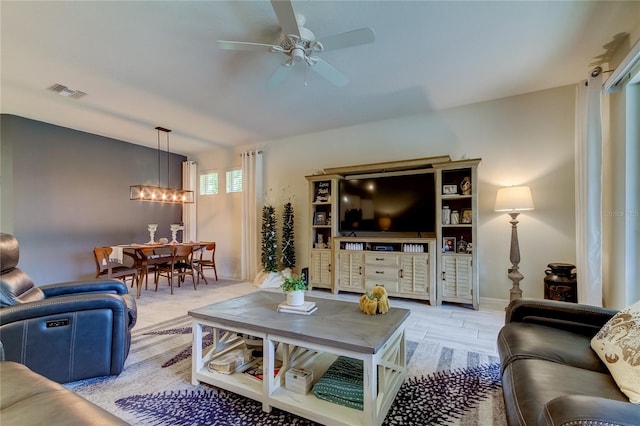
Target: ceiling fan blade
{"type": "Point", "coordinates": [327, 71]}
{"type": "Point", "coordinates": [348, 39]}
{"type": "Point", "coordinates": [242, 45]}
{"type": "Point", "coordinates": [286, 16]}
{"type": "Point", "coordinates": [280, 74]}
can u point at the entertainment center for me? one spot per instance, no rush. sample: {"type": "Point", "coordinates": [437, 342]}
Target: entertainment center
{"type": "Point", "coordinates": [410, 226]}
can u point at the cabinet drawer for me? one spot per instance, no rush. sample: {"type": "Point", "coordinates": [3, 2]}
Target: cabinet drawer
{"type": "Point", "coordinates": [382, 259]}
{"type": "Point", "coordinates": [381, 272]}
{"type": "Point", "coordinates": [390, 286]}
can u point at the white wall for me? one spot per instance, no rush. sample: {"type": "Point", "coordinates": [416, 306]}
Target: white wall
{"type": "Point", "coordinates": [525, 139]}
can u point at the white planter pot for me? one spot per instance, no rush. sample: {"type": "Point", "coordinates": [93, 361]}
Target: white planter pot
{"type": "Point", "coordinates": [295, 298]}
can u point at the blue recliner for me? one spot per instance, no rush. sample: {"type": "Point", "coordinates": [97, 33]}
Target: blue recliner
{"type": "Point", "coordinates": [66, 332]}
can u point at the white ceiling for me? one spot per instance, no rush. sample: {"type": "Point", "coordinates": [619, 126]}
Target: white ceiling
{"type": "Point", "coordinates": [146, 64]}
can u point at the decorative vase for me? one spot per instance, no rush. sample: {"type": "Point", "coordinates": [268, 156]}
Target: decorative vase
{"type": "Point", "coordinates": [174, 227]}
{"type": "Point", "coordinates": [152, 227]}
{"type": "Point", "coordinates": [295, 298]}
{"type": "Point", "coordinates": [560, 282]}
{"type": "Point", "coordinates": [446, 215]}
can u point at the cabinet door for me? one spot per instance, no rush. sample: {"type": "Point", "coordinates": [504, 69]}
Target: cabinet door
{"type": "Point", "coordinates": [414, 273]}
{"type": "Point", "coordinates": [351, 270]}
{"type": "Point", "coordinates": [320, 268]}
{"type": "Point", "coordinates": [457, 276]}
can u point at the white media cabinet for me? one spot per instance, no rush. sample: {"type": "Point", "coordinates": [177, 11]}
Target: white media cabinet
{"type": "Point", "coordinates": [403, 266]}
{"type": "Point", "coordinates": [443, 268]}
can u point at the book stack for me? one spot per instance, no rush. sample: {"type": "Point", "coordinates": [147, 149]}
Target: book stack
{"type": "Point", "coordinates": [307, 308]}
{"type": "Point", "coordinates": [231, 361]}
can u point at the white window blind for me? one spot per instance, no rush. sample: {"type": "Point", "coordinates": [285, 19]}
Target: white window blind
{"type": "Point", "coordinates": [234, 180]}
{"type": "Point", "coordinates": [209, 183]}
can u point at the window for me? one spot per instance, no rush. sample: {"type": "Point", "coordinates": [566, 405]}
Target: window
{"type": "Point", "coordinates": [209, 183]}
{"type": "Point", "coordinates": [234, 180]}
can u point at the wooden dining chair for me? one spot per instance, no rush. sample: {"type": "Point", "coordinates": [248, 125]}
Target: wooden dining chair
{"type": "Point", "coordinates": [106, 268]}
{"type": "Point", "coordinates": [145, 263]}
{"type": "Point", "coordinates": [179, 266]}
{"type": "Point", "coordinates": [207, 259]}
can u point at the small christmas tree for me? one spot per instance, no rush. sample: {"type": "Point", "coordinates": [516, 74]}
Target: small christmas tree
{"type": "Point", "coordinates": [288, 248]}
{"type": "Point", "coordinates": [269, 244]}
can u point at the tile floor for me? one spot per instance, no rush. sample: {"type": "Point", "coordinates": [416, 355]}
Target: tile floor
{"type": "Point", "coordinates": [450, 324]}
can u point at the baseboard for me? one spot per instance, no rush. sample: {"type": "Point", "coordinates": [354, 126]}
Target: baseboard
{"type": "Point", "coordinates": [493, 303]}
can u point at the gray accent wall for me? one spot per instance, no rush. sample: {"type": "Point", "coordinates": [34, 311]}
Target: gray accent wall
{"type": "Point", "coordinates": [65, 191]}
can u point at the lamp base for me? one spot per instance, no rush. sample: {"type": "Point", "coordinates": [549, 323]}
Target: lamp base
{"type": "Point", "coordinates": [514, 256]}
{"type": "Point", "coordinates": [515, 276]}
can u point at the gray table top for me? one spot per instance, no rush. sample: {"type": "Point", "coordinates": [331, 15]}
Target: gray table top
{"type": "Point", "coordinates": [336, 324]}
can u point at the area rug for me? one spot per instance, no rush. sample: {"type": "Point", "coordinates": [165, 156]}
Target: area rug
{"type": "Point", "coordinates": [445, 386]}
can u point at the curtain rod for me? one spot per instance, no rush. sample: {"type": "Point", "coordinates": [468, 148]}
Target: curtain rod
{"type": "Point", "coordinates": [595, 73]}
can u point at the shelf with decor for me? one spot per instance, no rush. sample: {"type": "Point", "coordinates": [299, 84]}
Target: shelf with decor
{"type": "Point", "coordinates": [323, 190]}
{"type": "Point", "coordinates": [456, 232]}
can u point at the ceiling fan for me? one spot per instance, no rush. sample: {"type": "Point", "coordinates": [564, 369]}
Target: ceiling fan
{"type": "Point", "coordinates": [300, 45]}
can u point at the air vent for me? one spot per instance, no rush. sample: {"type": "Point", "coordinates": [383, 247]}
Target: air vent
{"type": "Point", "coordinates": [65, 91]}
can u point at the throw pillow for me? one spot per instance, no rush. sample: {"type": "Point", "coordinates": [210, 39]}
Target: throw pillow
{"type": "Point", "coordinates": [618, 346]}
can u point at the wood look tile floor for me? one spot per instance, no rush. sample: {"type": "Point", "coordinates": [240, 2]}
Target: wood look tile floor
{"type": "Point", "coordinates": [449, 324]}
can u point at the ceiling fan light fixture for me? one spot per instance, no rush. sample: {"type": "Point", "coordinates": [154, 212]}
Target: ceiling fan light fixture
{"type": "Point", "coordinates": [159, 193]}
{"type": "Point", "coordinates": [299, 43]}
{"type": "Point", "coordinates": [298, 54]}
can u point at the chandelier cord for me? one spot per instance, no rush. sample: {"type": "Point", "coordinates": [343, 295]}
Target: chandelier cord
{"type": "Point", "coordinates": [157, 128]}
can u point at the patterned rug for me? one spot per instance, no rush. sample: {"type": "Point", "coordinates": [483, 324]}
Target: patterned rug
{"type": "Point", "coordinates": [444, 387]}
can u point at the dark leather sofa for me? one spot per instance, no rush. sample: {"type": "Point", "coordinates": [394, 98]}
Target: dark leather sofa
{"type": "Point", "coordinates": [550, 374]}
{"type": "Point", "coordinates": [65, 332]}
{"type": "Point", "coordinates": [27, 398]}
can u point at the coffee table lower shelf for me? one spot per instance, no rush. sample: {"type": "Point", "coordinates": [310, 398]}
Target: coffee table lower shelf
{"type": "Point", "coordinates": [387, 368]}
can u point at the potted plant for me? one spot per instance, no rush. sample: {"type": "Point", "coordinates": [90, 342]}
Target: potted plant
{"type": "Point", "coordinates": [294, 287]}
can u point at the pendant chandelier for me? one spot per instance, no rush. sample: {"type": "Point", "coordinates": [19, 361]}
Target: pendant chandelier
{"type": "Point", "coordinates": [159, 193]}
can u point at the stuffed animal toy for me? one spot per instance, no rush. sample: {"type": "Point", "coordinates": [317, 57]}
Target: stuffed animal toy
{"type": "Point", "coordinates": [375, 302]}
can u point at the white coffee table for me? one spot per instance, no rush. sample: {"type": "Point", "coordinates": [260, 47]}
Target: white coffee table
{"type": "Point", "coordinates": [311, 342]}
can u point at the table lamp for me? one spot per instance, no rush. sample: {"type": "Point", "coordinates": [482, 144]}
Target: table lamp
{"type": "Point", "coordinates": [513, 200]}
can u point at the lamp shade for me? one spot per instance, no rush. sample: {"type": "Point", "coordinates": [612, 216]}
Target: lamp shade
{"type": "Point", "coordinates": [513, 199]}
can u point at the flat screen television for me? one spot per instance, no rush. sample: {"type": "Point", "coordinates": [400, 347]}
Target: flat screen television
{"type": "Point", "coordinates": [388, 202]}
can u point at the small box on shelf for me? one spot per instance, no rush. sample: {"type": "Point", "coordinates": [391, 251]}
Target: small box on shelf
{"type": "Point", "coordinates": [298, 380]}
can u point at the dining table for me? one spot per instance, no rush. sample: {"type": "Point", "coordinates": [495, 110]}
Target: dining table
{"type": "Point", "coordinates": [148, 254]}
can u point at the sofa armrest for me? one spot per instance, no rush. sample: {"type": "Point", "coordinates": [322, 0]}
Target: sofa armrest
{"type": "Point", "coordinates": [588, 410]}
{"type": "Point", "coordinates": [132, 307]}
{"type": "Point", "coordinates": [64, 305]}
{"type": "Point", "coordinates": [577, 318]}
{"type": "Point", "coordinates": [68, 338]}
{"type": "Point", "coordinates": [79, 287]}
{"type": "Point", "coordinates": [29, 398]}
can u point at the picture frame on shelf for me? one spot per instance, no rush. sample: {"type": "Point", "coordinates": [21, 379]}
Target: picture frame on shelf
{"type": "Point", "coordinates": [320, 218]}
{"type": "Point", "coordinates": [467, 216]}
{"type": "Point", "coordinates": [449, 244]}
{"type": "Point", "coordinates": [449, 189]}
